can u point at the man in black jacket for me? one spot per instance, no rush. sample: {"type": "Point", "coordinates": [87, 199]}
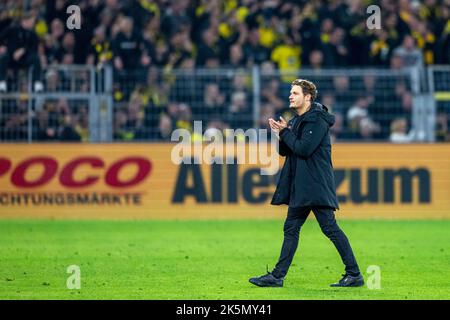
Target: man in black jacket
{"type": "Point", "coordinates": [19, 50]}
{"type": "Point", "coordinates": [307, 183]}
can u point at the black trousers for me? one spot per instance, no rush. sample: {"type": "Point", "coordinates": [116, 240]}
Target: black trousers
{"type": "Point", "coordinates": [327, 221]}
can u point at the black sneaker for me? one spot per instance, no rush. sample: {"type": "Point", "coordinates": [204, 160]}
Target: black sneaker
{"type": "Point", "coordinates": [349, 281]}
{"type": "Point", "coordinates": [267, 280]}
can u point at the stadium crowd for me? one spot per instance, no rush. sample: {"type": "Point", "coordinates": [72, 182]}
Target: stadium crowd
{"type": "Point", "coordinates": [146, 42]}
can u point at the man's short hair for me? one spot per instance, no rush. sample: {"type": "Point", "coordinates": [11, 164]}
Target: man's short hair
{"type": "Point", "coordinates": [307, 87]}
{"type": "Point", "coordinates": [28, 15]}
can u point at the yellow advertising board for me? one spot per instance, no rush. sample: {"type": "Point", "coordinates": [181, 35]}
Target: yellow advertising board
{"type": "Point", "coordinates": [141, 181]}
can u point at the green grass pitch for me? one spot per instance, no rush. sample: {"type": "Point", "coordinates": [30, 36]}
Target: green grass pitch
{"type": "Point", "coordinates": [214, 259]}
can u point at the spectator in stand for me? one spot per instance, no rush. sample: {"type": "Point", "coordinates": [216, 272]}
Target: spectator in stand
{"type": "Point", "coordinates": [172, 111]}
{"type": "Point", "coordinates": [360, 121]}
{"type": "Point", "coordinates": [100, 51]}
{"type": "Point", "coordinates": [368, 129]}
{"type": "Point", "coordinates": [68, 59]}
{"type": "Point", "coordinates": [239, 114]}
{"type": "Point", "coordinates": [402, 106]}
{"type": "Point", "coordinates": [336, 131]}
{"type": "Point", "coordinates": [442, 124]}
{"type": "Point", "coordinates": [409, 53]}
{"type": "Point", "coordinates": [380, 48]}
{"type": "Point", "coordinates": [326, 28]}
{"type": "Point", "coordinates": [120, 129]}
{"type": "Point", "coordinates": [254, 52]}
{"type": "Point", "coordinates": [128, 47]}
{"type": "Point", "coordinates": [42, 124]}
{"type": "Point", "coordinates": [425, 39]}
{"type": "Point", "coordinates": [396, 29]}
{"type": "Point", "coordinates": [52, 80]}
{"type": "Point", "coordinates": [316, 60]}
{"type": "Point", "coordinates": [399, 132]}
{"type": "Point", "coordinates": [68, 47]}
{"type": "Point", "coordinates": [236, 57]}
{"type": "Point", "coordinates": [356, 113]}
{"type": "Point", "coordinates": [19, 50]}
{"type": "Point", "coordinates": [161, 55]}
{"type": "Point", "coordinates": [15, 124]}
{"type": "Point", "coordinates": [184, 117]}
{"type": "Point", "coordinates": [270, 94]}
{"type": "Point", "coordinates": [48, 121]}
{"type": "Point", "coordinates": [369, 88]}
{"type": "Point", "coordinates": [213, 102]}
{"type": "Point", "coordinates": [165, 128]}
{"type": "Point", "coordinates": [328, 99]}
{"type": "Point", "coordinates": [52, 51]}
{"type": "Point", "coordinates": [396, 62]}
{"type": "Point", "coordinates": [67, 131]}
{"type": "Point", "coordinates": [181, 48]}
{"type": "Point", "coordinates": [334, 48]}
{"type": "Point", "coordinates": [342, 92]}
{"type": "Point", "coordinates": [180, 115]}
{"type": "Point", "coordinates": [240, 82]}
{"type": "Point", "coordinates": [268, 68]}
{"type": "Point", "coordinates": [443, 36]}
{"type": "Point", "coordinates": [286, 55]}
{"type": "Point", "coordinates": [82, 123]}
{"type": "Point", "coordinates": [176, 14]}
{"type": "Point", "coordinates": [208, 49]}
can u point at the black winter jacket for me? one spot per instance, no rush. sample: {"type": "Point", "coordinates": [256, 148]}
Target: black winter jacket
{"type": "Point", "coordinates": [15, 37]}
{"type": "Point", "coordinates": [307, 176]}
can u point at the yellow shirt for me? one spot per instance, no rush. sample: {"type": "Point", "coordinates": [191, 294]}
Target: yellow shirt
{"type": "Point", "coordinates": [267, 37]}
{"type": "Point", "coordinates": [287, 58]}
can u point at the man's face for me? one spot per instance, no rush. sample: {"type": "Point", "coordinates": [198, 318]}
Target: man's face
{"type": "Point", "coordinates": [297, 99]}
{"type": "Point", "coordinates": [28, 23]}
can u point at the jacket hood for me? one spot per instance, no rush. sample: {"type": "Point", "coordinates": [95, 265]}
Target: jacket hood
{"type": "Point", "coordinates": [318, 109]}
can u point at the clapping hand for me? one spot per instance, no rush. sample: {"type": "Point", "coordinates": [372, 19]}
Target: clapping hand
{"type": "Point", "coordinates": [18, 54]}
{"type": "Point", "coordinates": [277, 126]}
